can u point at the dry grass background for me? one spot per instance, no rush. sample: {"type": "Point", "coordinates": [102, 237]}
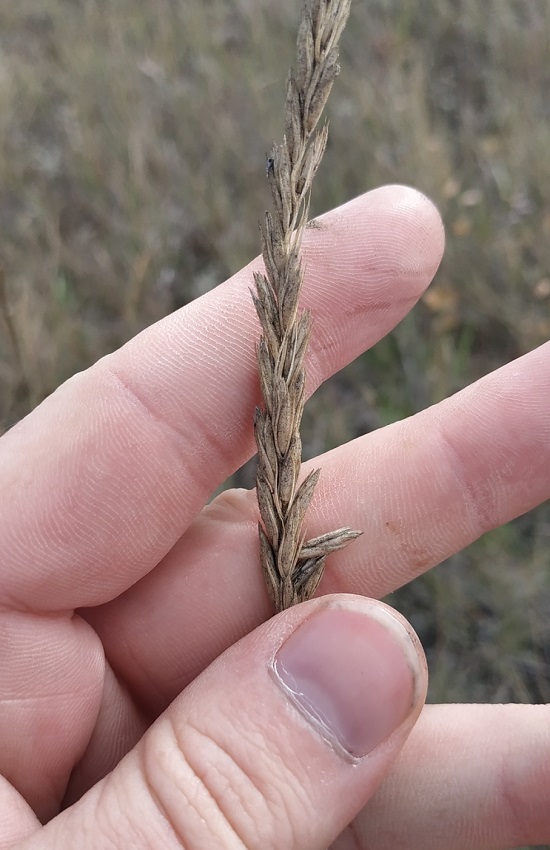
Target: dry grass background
{"type": "Point", "coordinates": [132, 179]}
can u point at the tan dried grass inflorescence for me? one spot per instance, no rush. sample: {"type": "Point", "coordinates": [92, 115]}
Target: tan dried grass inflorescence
{"type": "Point", "coordinates": [292, 567]}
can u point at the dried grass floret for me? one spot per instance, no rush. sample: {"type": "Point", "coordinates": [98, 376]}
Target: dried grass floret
{"type": "Point", "coordinates": [292, 567]}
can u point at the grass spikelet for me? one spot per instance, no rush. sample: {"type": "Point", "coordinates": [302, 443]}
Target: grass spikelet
{"type": "Point", "coordinates": [292, 567]}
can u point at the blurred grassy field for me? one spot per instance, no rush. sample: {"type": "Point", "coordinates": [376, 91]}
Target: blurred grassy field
{"type": "Point", "coordinates": [130, 132]}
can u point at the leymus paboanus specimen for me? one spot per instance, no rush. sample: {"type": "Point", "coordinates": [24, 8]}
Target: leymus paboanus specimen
{"type": "Point", "coordinates": [292, 566]}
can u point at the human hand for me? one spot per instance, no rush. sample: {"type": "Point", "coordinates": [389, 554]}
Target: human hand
{"type": "Point", "coordinates": [103, 492]}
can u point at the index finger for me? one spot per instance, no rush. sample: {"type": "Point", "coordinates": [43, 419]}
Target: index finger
{"type": "Point", "coordinates": [103, 478]}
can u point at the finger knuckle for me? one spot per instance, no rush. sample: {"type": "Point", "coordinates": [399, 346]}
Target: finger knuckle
{"type": "Point", "coordinates": [208, 795]}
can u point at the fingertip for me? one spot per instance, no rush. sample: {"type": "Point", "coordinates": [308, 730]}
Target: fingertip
{"type": "Point", "coordinates": [355, 670]}
{"type": "Point", "coordinates": [422, 212]}
{"type": "Point", "coordinates": [405, 202]}
{"type": "Point", "coordinates": [392, 237]}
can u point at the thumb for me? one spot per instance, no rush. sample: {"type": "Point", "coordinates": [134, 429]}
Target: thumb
{"type": "Point", "coordinates": [278, 744]}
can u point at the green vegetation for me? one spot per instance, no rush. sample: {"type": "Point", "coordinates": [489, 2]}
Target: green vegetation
{"type": "Point", "coordinates": [129, 134]}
